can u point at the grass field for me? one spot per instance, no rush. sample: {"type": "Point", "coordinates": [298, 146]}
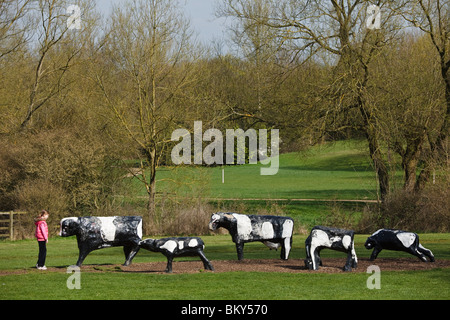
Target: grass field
{"type": "Point", "coordinates": [322, 174]}
{"type": "Point", "coordinates": [111, 283]}
{"type": "Point", "coordinates": [333, 171]}
{"type": "Point", "coordinates": [340, 170]}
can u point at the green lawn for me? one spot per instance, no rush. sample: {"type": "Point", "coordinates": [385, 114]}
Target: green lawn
{"type": "Point", "coordinates": [418, 285]}
{"type": "Point", "coordinates": [333, 171]}
{"type": "Point", "coordinates": [30, 283]}
{"type": "Point", "coordinates": [340, 170]}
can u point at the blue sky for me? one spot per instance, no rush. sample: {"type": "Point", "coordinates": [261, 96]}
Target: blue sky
{"type": "Point", "coordinates": [200, 12]}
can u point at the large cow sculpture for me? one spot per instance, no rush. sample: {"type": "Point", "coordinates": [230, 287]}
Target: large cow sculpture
{"type": "Point", "coordinates": [102, 232]}
{"type": "Point", "coordinates": [273, 231]}
{"type": "Point", "coordinates": [176, 247]}
{"type": "Point", "coordinates": [332, 238]}
{"type": "Point", "coordinates": [397, 240]}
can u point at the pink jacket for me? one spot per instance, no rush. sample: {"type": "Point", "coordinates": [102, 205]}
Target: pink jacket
{"type": "Point", "coordinates": [41, 230]}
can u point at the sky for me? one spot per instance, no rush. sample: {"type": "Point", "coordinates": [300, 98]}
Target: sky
{"type": "Point", "coordinates": [201, 13]}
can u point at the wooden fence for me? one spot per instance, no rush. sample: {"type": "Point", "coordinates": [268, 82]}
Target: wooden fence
{"type": "Point", "coordinates": [7, 224]}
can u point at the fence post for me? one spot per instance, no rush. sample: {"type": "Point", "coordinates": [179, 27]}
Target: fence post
{"type": "Point", "coordinates": [11, 225]}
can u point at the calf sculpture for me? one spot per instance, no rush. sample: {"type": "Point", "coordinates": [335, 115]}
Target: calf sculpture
{"type": "Point", "coordinates": [175, 247]}
{"type": "Point", "coordinates": [102, 232]}
{"type": "Point", "coordinates": [331, 238]}
{"type": "Point", "coordinates": [273, 231]}
{"type": "Point", "coordinates": [397, 240]}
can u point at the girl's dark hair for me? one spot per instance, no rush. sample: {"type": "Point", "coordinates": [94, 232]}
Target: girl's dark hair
{"type": "Point", "coordinates": [41, 214]}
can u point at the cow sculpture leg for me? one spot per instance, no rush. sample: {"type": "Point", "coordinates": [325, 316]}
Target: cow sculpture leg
{"type": "Point", "coordinates": [375, 252]}
{"type": "Point", "coordinates": [84, 251]}
{"type": "Point", "coordinates": [350, 262]}
{"type": "Point", "coordinates": [206, 264]}
{"type": "Point", "coordinates": [420, 252]}
{"type": "Point", "coordinates": [313, 260]}
{"type": "Point", "coordinates": [169, 264]}
{"type": "Point", "coordinates": [425, 253]}
{"type": "Point", "coordinates": [130, 252]}
{"type": "Point", "coordinates": [240, 250]}
{"type": "Point", "coordinates": [286, 248]}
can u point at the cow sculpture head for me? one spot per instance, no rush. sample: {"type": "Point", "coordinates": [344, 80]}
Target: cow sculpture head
{"type": "Point", "coordinates": [220, 219]}
{"type": "Point", "coordinates": [370, 243]}
{"type": "Point", "coordinates": [69, 227]}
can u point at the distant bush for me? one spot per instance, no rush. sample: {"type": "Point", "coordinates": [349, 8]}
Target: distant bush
{"type": "Point", "coordinates": [43, 194]}
{"type": "Point", "coordinates": [68, 173]}
{"type": "Point", "coordinates": [340, 217]}
{"type": "Point", "coordinates": [181, 216]}
{"type": "Point", "coordinates": [12, 172]}
{"type": "Point", "coordinates": [428, 211]}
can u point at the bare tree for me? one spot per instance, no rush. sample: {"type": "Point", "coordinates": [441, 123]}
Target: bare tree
{"type": "Point", "coordinates": [12, 25]}
{"type": "Point", "coordinates": [149, 63]}
{"type": "Point", "coordinates": [56, 47]}
{"type": "Point", "coordinates": [338, 29]}
{"type": "Point", "coordinates": [411, 106]}
{"type": "Point", "coordinates": [432, 17]}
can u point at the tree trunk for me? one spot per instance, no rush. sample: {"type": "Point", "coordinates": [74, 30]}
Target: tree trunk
{"type": "Point", "coordinates": [410, 168]}
{"type": "Point", "coordinates": [151, 187]}
{"type": "Point", "coordinates": [380, 167]}
{"type": "Point", "coordinates": [374, 148]}
{"type": "Point", "coordinates": [410, 159]}
{"type": "Point", "coordinates": [437, 147]}
{"type": "Point", "coordinates": [151, 202]}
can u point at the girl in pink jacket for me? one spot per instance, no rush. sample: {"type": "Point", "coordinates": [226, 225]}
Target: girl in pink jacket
{"type": "Point", "coordinates": [42, 238]}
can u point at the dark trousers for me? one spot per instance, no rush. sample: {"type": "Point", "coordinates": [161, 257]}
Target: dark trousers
{"type": "Point", "coordinates": [42, 253]}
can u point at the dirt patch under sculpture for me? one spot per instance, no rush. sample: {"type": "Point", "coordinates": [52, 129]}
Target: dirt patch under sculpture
{"type": "Point", "coordinates": [330, 265]}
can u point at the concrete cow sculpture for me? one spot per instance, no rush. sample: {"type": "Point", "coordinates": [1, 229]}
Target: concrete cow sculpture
{"type": "Point", "coordinates": [102, 232]}
{"type": "Point", "coordinates": [397, 240]}
{"type": "Point", "coordinates": [331, 238]}
{"type": "Point", "coordinates": [175, 247]}
{"type": "Point", "coordinates": [273, 231]}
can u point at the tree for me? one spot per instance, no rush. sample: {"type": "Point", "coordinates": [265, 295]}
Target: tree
{"type": "Point", "coordinates": [409, 92]}
{"type": "Point", "coordinates": [12, 33]}
{"type": "Point", "coordinates": [56, 47]}
{"type": "Point", "coordinates": [432, 17]}
{"type": "Point", "coordinates": [257, 44]}
{"type": "Point", "coordinates": [148, 64]}
{"type": "Point", "coordinates": [337, 29]}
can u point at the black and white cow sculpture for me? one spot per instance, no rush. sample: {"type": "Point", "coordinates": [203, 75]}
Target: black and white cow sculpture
{"type": "Point", "coordinates": [397, 240]}
{"type": "Point", "coordinates": [176, 247]}
{"type": "Point", "coordinates": [273, 231]}
{"type": "Point", "coordinates": [332, 238]}
{"type": "Point", "coordinates": [102, 232]}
